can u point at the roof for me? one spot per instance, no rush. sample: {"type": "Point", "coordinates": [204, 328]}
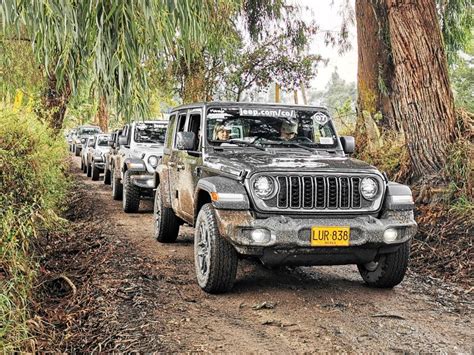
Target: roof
{"type": "Point", "coordinates": [251, 104]}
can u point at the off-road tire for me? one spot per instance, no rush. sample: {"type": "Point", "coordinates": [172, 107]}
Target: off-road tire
{"type": "Point", "coordinates": [77, 152]}
{"type": "Point", "coordinates": [82, 164]}
{"type": "Point", "coordinates": [117, 188]}
{"type": "Point", "coordinates": [219, 255]}
{"type": "Point", "coordinates": [166, 223]}
{"type": "Point", "coordinates": [89, 170]}
{"type": "Point", "coordinates": [389, 270]}
{"type": "Point", "coordinates": [131, 194]}
{"type": "Point", "coordinates": [95, 172]}
{"type": "Point", "coordinates": [107, 176]}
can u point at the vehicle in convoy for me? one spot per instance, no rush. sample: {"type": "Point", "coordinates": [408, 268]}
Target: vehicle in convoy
{"type": "Point", "coordinates": [133, 165]}
{"type": "Point", "coordinates": [113, 147]}
{"type": "Point", "coordinates": [70, 137]}
{"type": "Point", "coordinates": [83, 132]}
{"type": "Point", "coordinates": [94, 156]}
{"type": "Point", "coordinates": [85, 148]}
{"type": "Point", "coordinates": [277, 183]}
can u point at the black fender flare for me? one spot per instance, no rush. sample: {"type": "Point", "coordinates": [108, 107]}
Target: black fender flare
{"type": "Point", "coordinates": [231, 194]}
{"type": "Point", "coordinates": [398, 197]}
{"type": "Point", "coordinates": [134, 164]}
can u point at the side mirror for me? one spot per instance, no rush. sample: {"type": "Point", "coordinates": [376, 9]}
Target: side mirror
{"type": "Point", "coordinates": [110, 143]}
{"type": "Point", "coordinates": [348, 144]}
{"type": "Point", "coordinates": [123, 140]}
{"type": "Point", "coordinates": [185, 140]}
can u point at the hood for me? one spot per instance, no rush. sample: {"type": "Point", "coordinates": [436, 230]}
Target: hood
{"type": "Point", "coordinates": [236, 162]}
{"type": "Point", "coordinates": [147, 149]}
{"type": "Point", "coordinates": [102, 148]}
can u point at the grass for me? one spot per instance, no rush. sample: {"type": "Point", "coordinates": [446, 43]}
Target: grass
{"type": "Point", "coordinates": [32, 189]}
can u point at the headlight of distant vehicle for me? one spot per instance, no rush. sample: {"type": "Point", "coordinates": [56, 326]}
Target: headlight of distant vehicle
{"type": "Point", "coordinates": [369, 188]}
{"type": "Point", "coordinates": [264, 187]}
{"type": "Point", "coordinates": [153, 161]}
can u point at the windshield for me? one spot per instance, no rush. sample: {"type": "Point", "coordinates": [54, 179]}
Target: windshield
{"type": "Point", "coordinates": [103, 141]}
{"type": "Point", "coordinates": [150, 133]}
{"type": "Point", "coordinates": [88, 131]}
{"type": "Point", "coordinates": [270, 127]}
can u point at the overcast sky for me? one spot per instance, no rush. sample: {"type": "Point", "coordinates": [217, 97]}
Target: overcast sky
{"type": "Point", "coordinates": [327, 16]}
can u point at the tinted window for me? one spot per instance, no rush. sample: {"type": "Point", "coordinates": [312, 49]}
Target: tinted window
{"type": "Point", "coordinates": [88, 131]}
{"type": "Point", "coordinates": [150, 133]}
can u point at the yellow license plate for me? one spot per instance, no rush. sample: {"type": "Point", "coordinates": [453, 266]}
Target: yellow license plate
{"type": "Point", "coordinates": [330, 236]}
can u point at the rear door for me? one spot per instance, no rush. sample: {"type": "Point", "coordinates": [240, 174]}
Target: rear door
{"type": "Point", "coordinates": [173, 162]}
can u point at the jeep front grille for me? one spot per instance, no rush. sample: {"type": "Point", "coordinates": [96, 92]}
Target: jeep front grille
{"type": "Point", "coordinates": [323, 193]}
{"type": "Point", "coordinates": [309, 192]}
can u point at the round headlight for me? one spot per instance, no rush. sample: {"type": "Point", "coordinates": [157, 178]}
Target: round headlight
{"type": "Point", "coordinates": [153, 161]}
{"type": "Point", "coordinates": [369, 188]}
{"type": "Point", "coordinates": [83, 140]}
{"type": "Point", "coordinates": [264, 187]}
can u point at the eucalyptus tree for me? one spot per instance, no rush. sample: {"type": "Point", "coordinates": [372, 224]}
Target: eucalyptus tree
{"type": "Point", "coordinates": [116, 39]}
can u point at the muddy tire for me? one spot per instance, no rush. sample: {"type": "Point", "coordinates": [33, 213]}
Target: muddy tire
{"type": "Point", "coordinates": [82, 165]}
{"type": "Point", "coordinates": [117, 188]}
{"type": "Point", "coordinates": [107, 176]}
{"type": "Point", "coordinates": [131, 194]}
{"type": "Point", "coordinates": [88, 170]}
{"type": "Point", "coordinates": [165, 221]}
{"type": "Point", "coordinates": [215, 258]}
{"type": "Point", "coordinates": [95, 172]}
{"type": "Point", "coordinates": [387, 270]}
{"type": "Point", "coordinates": [77, 152]}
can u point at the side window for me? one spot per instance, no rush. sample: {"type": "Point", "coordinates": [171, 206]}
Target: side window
{"type": "Point", "coordinates": [170, 130]}
{"type": "Point", "coordinates": [195, 127]}
{"type": "Point", "coordinates": [180, 124]}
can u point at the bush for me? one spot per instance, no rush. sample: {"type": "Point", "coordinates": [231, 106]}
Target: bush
{"type": "Point", "coordinates": [32, 188]}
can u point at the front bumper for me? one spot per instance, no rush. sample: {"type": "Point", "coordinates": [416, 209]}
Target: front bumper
{"type": "Point", "coordinates": [144, 181]}
{"type": "Point", "coordinates": [290, 238]}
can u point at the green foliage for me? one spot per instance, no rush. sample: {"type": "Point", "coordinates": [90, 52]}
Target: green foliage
{"type": "Point", "coordinates": [17, 70]}
{"type": "Point", "coordinates": [462, 78]}
{"type": "Point", "coordinates": [457, 21]}
{"type": "Point", "coordinates": [113, 41]}
{"type": "Point", "coordinates": [256, 66]}
{"type": "Point", "coordinates": [32, 187]}
{"type": "Point", "coordinates": [340, 98]}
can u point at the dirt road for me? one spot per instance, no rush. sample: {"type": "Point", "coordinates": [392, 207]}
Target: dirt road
{"type": "Point", "coordinates": [153, 294]}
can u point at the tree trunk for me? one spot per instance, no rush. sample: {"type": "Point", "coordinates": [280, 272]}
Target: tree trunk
{"type": "Point", "coordinates": [194, 82]}
{"type": "Point", "coordinates": [55, 103]}
{"type": "Point", "coordinates": [103, 114]}
{"type": "Point", "coordinates": [422, 98]}
{"type": "Point", "coordinates": [374, 66]}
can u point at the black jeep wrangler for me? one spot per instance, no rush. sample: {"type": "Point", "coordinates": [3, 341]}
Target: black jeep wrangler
{"type": "Point", "coordinates": [276, 182]}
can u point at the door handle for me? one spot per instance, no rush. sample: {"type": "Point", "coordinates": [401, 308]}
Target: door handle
{"type": "Point", "coordinates": [180, 167]}
{"type": "Point", "coordinates": [172, 164]}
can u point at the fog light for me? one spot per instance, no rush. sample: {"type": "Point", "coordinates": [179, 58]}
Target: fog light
{"type": "Point", "coordinates": [390, 235]}
{"type": "Point", "coordinates": [260, 236]}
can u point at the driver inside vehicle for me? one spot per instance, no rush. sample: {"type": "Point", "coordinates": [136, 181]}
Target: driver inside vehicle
{"type": "Point", "coordinates": [288, 130]}
{"type": "Point", "coordinates": [221, 132]}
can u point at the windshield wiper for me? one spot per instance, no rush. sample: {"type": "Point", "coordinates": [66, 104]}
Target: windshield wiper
{"type": "Point", "coordinates": [294, 144]}
{"type": "Point", "coordinates": [239, 142]}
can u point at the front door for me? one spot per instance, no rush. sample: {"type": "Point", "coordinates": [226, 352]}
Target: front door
{"type": "Point", "coordinates": [185, 163]}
